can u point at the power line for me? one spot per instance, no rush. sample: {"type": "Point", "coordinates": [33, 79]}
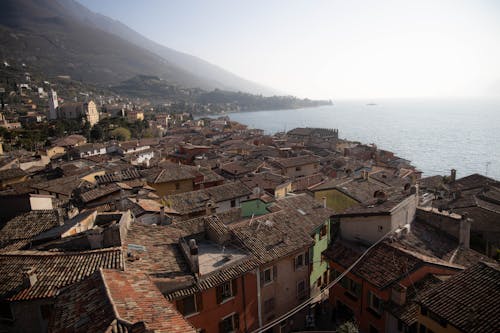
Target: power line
{"type": "Point", "coordinates": [310, 299]}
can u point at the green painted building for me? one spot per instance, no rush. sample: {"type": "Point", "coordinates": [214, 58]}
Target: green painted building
{"type": "Point", "coordinates": [254, 207]}
{"type": "Point", "coordinates": [319, 270]}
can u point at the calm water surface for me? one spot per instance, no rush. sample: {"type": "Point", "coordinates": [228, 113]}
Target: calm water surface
{"type": "Point", "coordinates": [435, 135]}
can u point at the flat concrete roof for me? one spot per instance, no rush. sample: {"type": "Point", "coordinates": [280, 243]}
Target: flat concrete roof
{"type": "Point", "coordinates": [212, 256]}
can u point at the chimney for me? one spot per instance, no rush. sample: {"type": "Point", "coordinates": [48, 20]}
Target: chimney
{"type": "Point", "coordinates": [453, 175]}
{"type": "Point", "coordinates": [59, 215]}
{"type": "Point", "coordinates": [398, 294]}
{"type": "Point", "coordinates": [29, 277]}
{"type": "Point", "coordinates": [464, 233]}
{"type": "Point", "coordinates": [324, 202]}
{"type": "Point", "coordinates": [193, 254]}
{"type": "Point", "coordinates": [162, 215]}
{"type": "Point", "coordinates": [209, 210]}
{"type": "Point", "coordinates": [122, 198]}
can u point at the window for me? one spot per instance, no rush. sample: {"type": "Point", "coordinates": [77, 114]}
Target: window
{"type": "Point", "coordinates": [301, 290]}
{"type": "Point", "coordinates": [190, 304]}
{"type": "Point", "coordinates": [233, 203]}
{"type": "Point", "coordinates": [298, 169]}
{"type": "Point", "coordinates": [226, 291]}
{"type": "Point", "coordinates": [323, 231]}
{"type": "Point", "coordinates": [177, 186]}
{"type": "Point", "coordinates": [353, 288]}
{"type": "Point", "coordinates": [229, 324]}
{"type": "Point", "coordinates": [269, 305]}
{"type": "Point", "coordinates": [375, 302]}
{"type": "Point", "coordinates": [268, 275]}
{"type": "Point", "coordinates": [301, 260]}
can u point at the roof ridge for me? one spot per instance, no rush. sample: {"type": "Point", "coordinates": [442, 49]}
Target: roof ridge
{"type": "Point", "coordinates": [423, 257]}
{"type": "Point", "coordinates": [110, 298]}
{"type": "Point", "coordinates": [29, 253]}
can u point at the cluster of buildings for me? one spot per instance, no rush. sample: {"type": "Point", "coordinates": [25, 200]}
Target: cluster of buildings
{"type": "Point", "coordinates": [216, 227]}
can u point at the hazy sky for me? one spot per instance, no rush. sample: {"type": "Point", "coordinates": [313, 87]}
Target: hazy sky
{"type": "Point", "coordinates": [333, 49]}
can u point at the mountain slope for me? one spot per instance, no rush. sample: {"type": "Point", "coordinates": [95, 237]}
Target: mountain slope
{"type": "Point", "coordinates": [222, 79]}
{"type": "Point", "coordinates": [63, 38]}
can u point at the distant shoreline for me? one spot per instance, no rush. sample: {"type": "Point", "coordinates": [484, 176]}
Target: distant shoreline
{"type": "Point", "coordinates": [213, 115]}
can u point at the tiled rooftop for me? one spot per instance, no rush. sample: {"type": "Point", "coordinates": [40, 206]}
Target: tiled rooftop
{"type": "Point", "coordinates": [384, 264]}
{"type": "Point", "coordinates": [26, 226]}
{"type": "Point", "coordinates": [470, 300]}
{"type": "Point", "coordinates": [110, 295]}
{"type": "Point", "coordinates": [53, 270]}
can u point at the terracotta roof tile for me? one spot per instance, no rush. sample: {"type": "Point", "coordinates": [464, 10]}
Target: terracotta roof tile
{"type": "Point", "coordinates": [53, 270]}
{"type": "Point", "coordinates": [469, 300]}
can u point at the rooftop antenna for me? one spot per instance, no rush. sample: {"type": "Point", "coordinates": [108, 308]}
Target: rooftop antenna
{"type": "Point", "coordinates": [251, 219]}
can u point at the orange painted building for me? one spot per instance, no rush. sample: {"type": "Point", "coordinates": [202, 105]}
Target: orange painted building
{"type": "Point", "coordinates": [375, 280]}
{"type": "Point", "coordinates": [223, 309]}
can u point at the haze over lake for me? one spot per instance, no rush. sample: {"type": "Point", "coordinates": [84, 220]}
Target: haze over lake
{"type": "Point", "coordinates": [436, 135]}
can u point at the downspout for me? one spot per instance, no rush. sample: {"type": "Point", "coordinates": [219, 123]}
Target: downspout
{"type": "Point", "coordinates": [244, 302]}
{"type": "Point", "coordinates": [259, 310]}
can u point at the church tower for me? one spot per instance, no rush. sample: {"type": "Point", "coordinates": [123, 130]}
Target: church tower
{"type": "Point", "coordinates": [53, 104]}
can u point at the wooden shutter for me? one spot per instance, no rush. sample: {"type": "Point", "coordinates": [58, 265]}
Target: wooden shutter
{"type": "Point", "coordinates": [306, 258]}
{"type": "Point", "coordinates": [293, 263]}
{"type": "Point", "coordinates": [199, 302]}
{"type": "Point", "coordinates": [221, 326]}
{"type": "Point", "coordinates": [262, 277]}
{"type": "Point", "coordinates": [275, 272]}
{"type": "Point", "coordinates": [218, 291]}
{"type": "Point", "coordinates": [236, 321]}
{"type": "Point", "coordinates": [234, 285]}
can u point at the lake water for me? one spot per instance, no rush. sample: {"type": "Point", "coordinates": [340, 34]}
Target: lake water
{"type": "Point", "coordinates": [436, 135]}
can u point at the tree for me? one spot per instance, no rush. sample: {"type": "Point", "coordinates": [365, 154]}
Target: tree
{"type": "Point", "coordinates": [121, 134]}
{"type": "Point", "coordinates": [97, 133]}
{"type": "Point", "coordinates": [348, 327]}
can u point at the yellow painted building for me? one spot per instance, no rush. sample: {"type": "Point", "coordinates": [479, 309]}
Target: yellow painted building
{"type": "Point", "coordinates": [173, 187]}
{"type": "Point", "coordinates": [335, 199]}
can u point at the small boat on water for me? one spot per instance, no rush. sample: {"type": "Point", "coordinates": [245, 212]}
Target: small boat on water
{"type": "Point", "coordinates": [371, 104]}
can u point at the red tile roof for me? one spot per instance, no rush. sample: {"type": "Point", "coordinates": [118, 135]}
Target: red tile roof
{"type": "Point", "coordinates": [136, 298]}
{"type": "Point", "coordinates": [111, 298]}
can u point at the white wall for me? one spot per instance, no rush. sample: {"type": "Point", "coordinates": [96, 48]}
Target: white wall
{"type": "Point", "coordinates": [41, 202]}
{"type": "Point", "coordinates": [371, 228]}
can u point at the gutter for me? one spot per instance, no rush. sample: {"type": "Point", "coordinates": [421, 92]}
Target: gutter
{"type": "Point", "coordinates": [259, 308]}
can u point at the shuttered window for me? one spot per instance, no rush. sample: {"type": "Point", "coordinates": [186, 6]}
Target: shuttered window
{"type": "Point", "coordinates": [230, 324]}
{"type": "Point", "coordinates": [190, 304]}
{"type": "Point", "coordinates": [226, 291]}
{"type": "Point", "coordinates": [268, 275]}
